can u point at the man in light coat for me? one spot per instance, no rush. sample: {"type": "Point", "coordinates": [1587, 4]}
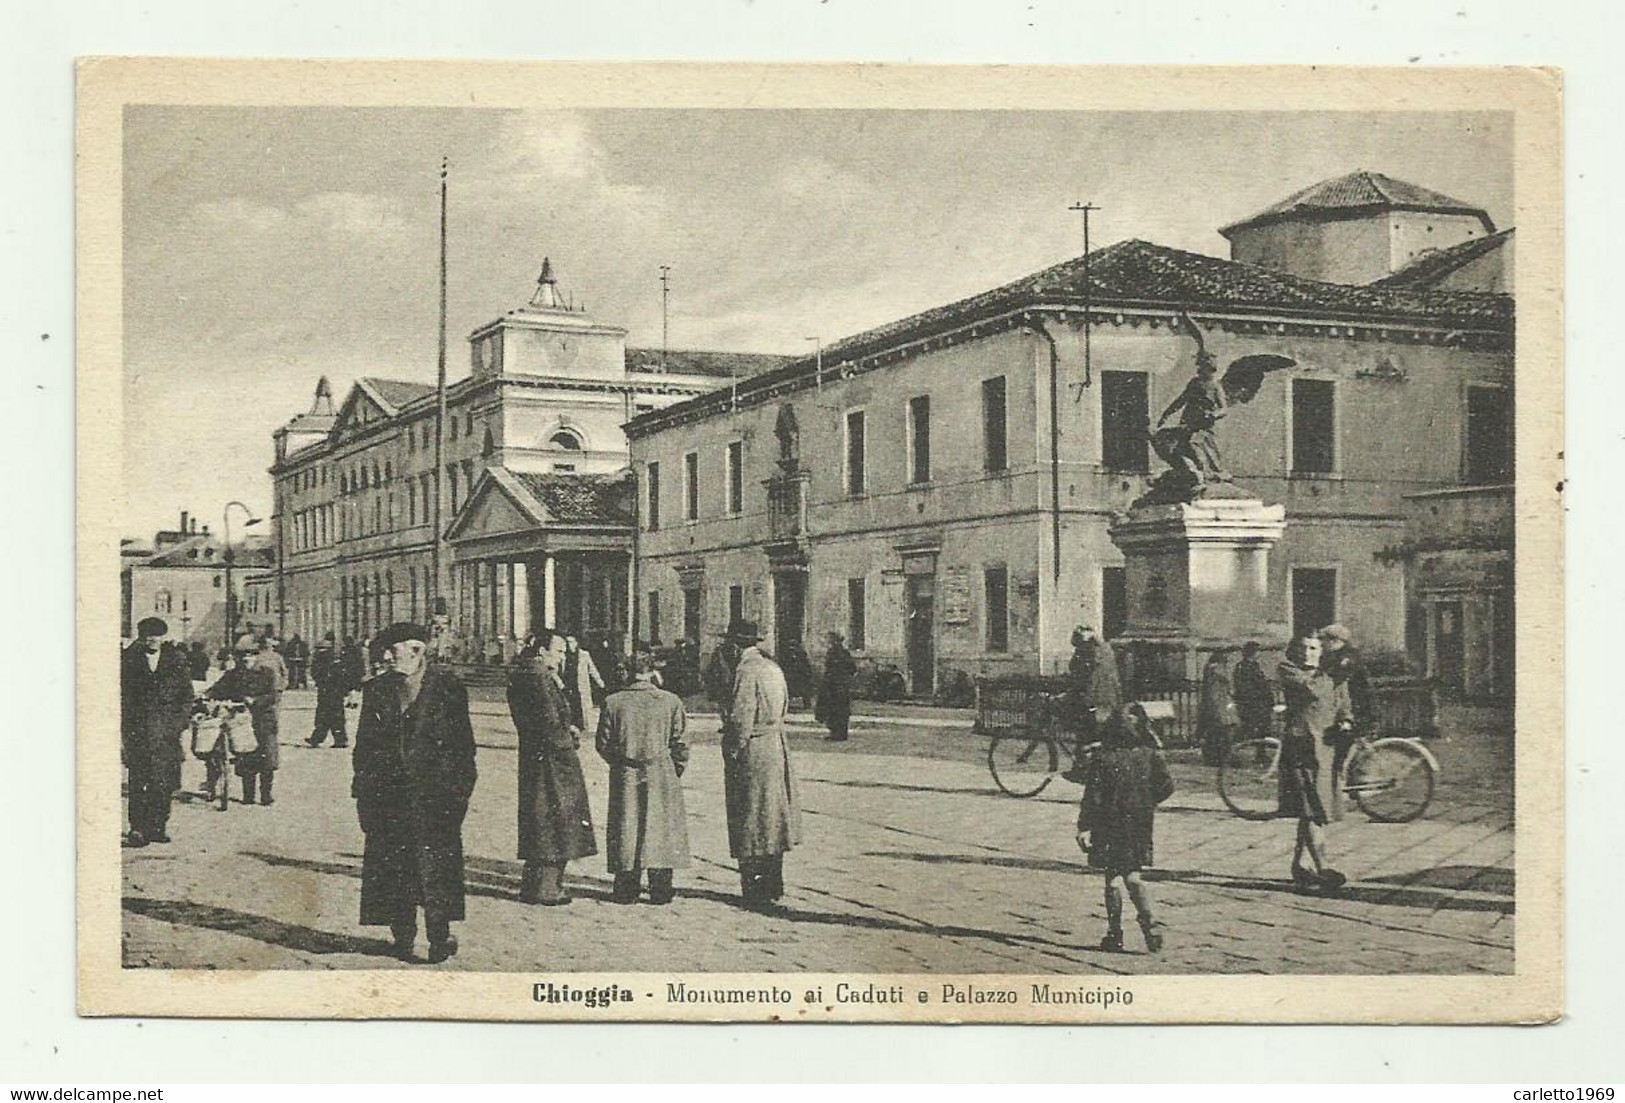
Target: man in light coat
{"type": "Point", "coordinates": [764, 816]}
{"type": "Point", "coordinates": [640, 735]}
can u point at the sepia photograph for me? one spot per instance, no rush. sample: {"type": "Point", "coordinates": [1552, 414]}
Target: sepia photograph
{"type": "Point", "coordinates": [1025, 554]}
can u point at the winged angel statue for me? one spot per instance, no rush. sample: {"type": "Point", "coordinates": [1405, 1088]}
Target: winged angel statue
{"type": "Point", "coordinates": [1191, 448]}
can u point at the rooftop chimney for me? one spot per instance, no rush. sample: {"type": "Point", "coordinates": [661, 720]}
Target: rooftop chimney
{"type": "Point", "coordinates": [184, 516]}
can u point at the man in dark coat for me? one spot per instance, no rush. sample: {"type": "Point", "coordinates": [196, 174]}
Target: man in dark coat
{"type": "Point", "coordinates": [254, 685]}
{"type": "Point", "coordinates": [555, 822]}
{"type": "Point", "coordinates": [719, 674]}
{"type": "Point", "coordinates": [1255, 700]}
{"type": "Point", "coordinates": [357, 663]}
{"type": "Point", "coordinates": [835, 694]}
{"type": "Point", "coordinates": [297, 652]}
{"type": "Point", "coordinates": [155, 690]}
{"type": "Point", "coordinates": [332, 678]}
{"type": "Point", "coordinates": [414, 774]}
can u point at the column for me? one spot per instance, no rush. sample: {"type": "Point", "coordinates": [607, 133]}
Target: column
{"type": "Point", "coordinates": [521, 601]}
{"type": "Point", "coordinates": [550, 592]}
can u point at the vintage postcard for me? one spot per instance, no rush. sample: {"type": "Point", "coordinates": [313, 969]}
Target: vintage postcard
{"type": "Point", "coordinates": [819, 543]}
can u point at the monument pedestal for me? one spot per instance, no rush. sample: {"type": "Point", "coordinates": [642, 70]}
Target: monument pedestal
{"type": "Point", "coordinates": [1197, 575]}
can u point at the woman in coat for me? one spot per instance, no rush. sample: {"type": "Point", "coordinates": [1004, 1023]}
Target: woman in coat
{"type": "Point", "coordinates": [1317, 711]}
{"type": "Point", "coordinates": [414, 774]}
{"type": "Point", "coordinates": [555, 822]}
{"type": "Point", "coordinates": [835, 695]}
{"type": "Point", "coordinates": [640, 735]}
{"type": "Point", "coordinates": [764, 813]}
{"type": "Point", "coordinates": [1124, 782]}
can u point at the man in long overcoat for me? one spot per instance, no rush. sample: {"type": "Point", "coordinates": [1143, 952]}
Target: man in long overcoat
{"type": "Point", "coordinates": [640, 735]}
{"type": "Point", "coordinates": [555, 822]}
{"type": "Point", "coordinates": [155, 690]}
{"type": "Point", "coordinates": [414, 774]}
{"type": "Point", "coordinates": [835, 694]}
{"type": "Point", "coordinates": [331, 675]}
{"type": "Point", "coordinates": [764, 815]}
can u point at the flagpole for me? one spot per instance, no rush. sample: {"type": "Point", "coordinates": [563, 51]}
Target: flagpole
{"type": "Point", "coordinates": [435, 585]}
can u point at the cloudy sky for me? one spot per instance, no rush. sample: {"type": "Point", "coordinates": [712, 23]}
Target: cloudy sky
{"type": "Point", "coordinates": [267, 247]}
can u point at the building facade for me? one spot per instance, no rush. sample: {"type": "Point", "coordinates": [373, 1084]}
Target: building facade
{"type": "Point", "coordinates": [940, 489]}
{"type": "Point", "coordinates": [181, 576]}
{"type": "Point", "coordinates": [515, 517]}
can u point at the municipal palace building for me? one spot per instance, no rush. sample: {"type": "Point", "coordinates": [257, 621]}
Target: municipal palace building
{"type": "Point", "coordinates": [939, 489]}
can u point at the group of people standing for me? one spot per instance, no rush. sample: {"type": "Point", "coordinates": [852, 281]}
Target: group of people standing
{"type": "Point", "coordinates": [415, 774]}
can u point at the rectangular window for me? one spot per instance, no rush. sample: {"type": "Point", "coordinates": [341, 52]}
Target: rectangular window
{"type": "Point", "coordinates": [653, 509]}
{"type": "Point", "coordinates": [856, 453]}
{"type": "Point", "coordinates": [1125, 414]}
{"type": "Point", "coordinates": [919, 439]}
{"type": "Point", "coordinates": [654, 616]}
{"type": "Point", "coordinates": [736, 603]}
{"type": "Point", "coordinates": [1489, 436]}
{"type": "Point", "coordinates": [691, 486]}
{"type": "Point", "coordinates": [1113, 602]}
{"type": "Point", "coordinates": [692, 622]}
{"type": "Point", "coordinates": [996, 592]}
{"type": "Point", "coordinates": [995, 455]}
{"type": "Point", "coordinates": [1314, 426]}
{"type": "Point", "coordinates": [1314, 599]}
{"type": "Point", "coordinates": [857, 614]}
{"type": "Point", "coordinates": [735, 464]}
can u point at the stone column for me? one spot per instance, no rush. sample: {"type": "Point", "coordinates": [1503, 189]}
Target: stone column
{"type": "Point", "coordinates": [521, 601]}
{"type": "Point", "coordinates": [550, 592]}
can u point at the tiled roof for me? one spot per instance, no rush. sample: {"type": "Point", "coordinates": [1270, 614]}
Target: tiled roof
{"type": "Point", "coordinates": [398, 392]}
{"type": "Point", "coordinates": [1137, 275]}
{"type": "Point", "coordinates": [1358, 191]}
{"type": "Point", "coordinates": [208, 551]}
{"type": "Point", "coordinates": [1431, 267]}
{"type": "Point", "coordinates": [724, 365]}
{"type": "Point", "coordinates": [574, 499]}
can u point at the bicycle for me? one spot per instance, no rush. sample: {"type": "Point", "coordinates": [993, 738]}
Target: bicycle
{"type": "Point", "coordinates": [1391, 778]}
{"type": "Point", "coordinates": [1024, 761]}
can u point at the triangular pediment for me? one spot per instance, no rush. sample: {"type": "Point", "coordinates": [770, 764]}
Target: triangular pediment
{"type": "Point", "coordinates": [360, 410]}
{"type": "Point", "coordinates": [499, 506]}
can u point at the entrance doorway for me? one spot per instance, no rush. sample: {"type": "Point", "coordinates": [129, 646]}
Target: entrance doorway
{"type": "Point", "coordinates": [919, 631]}
{"type": "Point", "coordinates": [789, 613]}
{"type": "Point", "coordinates": [1449, 647]}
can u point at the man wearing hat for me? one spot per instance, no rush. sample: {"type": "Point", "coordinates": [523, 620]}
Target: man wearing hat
{"type": "Point", "coordinates": [764, 816]}
{"type": "Point", "coordinates": [835, 694]}
{"type": "Point", "coordinates": [254, 684]}
{"type": "Point", "coordinates": [414, 774]}
{"type": "Point", "coordinates": [155, 691]}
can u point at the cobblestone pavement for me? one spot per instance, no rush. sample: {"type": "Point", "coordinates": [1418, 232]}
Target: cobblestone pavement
{"type": "Point", "coordinates": [912, 863]}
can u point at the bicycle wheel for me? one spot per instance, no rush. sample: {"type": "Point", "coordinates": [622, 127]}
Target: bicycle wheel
{"type": "Point", "coordinates": [1391, 780]}
{"type": "Point", "coordinates": [1022, 764]}
{"type": "Point", "coordinates": [1249, 778]}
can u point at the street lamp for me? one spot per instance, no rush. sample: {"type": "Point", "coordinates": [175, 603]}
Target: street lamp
{"type": "Point", "coordinates": [231, 606]}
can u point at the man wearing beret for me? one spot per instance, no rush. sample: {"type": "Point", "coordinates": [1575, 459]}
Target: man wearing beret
{"type": "Point", "coordinates": [414, 774]}
{"type": "Point", "coordinates": [155, 691]}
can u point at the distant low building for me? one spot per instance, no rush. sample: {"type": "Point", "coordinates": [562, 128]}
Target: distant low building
{"type": "Point", "coordinates": [180, 576]}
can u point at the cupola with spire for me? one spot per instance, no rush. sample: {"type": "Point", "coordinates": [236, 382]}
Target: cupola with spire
{"type": "Point", "coordinates": [551, 335]}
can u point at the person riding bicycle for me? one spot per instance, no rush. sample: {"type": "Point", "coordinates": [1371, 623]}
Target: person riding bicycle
{"type": "Point", "coordinates": [1094, 693]}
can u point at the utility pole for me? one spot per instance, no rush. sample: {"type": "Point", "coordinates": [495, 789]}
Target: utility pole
{"type": "Point", "coordinates": [665, 314]}
{"type": "Point", "coordinates": [1083, 207]}
{"type": "Point", "coordinates": [440, 406]}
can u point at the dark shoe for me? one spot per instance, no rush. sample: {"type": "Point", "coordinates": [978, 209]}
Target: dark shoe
{"type": "Point", "coordinates": [1331, 880]}
{"type": "Point", "coordinates": [1153, 937]}
{"type": "Point", "coordinates": [1074, 775]}
{"type": "Point", "coordinates": [134, 840]}
{"type": "Point", "coordinates": [623, 898]}
{"type": "Point", "coordinates": [440, 951]}
{"type": "Point", "coordinates": [1113, 942]}
{"type": "Point", "coordinates": [158, 837]}
{"type": "Point", "coordinates": [340, 744]}
{"type": "Point", "coordinates": [554, 901]}
{"type": "Point", "coordinates": [314, 742]}
{"type": "Point", "coordinates": [662, 899]}
{"type": "Point", "coordinates": [835, 738]}
{"type": "Point", "coordinates": [401, 948]}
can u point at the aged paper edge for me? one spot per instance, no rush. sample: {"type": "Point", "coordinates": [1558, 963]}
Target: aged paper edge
{"type": "Point", "coordinates": [1532, 993]}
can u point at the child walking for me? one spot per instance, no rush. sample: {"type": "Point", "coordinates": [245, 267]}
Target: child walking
{"type": "Point", "coordinates": [1125, 781]}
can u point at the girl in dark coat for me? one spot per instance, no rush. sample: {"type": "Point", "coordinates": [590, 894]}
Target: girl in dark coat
{"type": "Point", "coordinates": [555, 821]}
{"type": "Point", "coordinates": [1124, 782]}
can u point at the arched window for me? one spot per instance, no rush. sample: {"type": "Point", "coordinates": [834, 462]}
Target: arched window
{"type": "Point", "coordinates": [489, 445]}
{"type": "Point", "coordinates": [566, 440]}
